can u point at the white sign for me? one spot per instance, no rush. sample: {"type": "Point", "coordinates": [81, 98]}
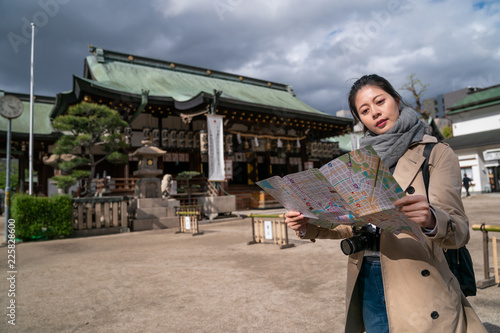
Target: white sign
{"type": "Point", "coordinates": [268, 230]}
{"type": "Point", "coordinates": [215, 148]}
{"type": "Point", "coordinates": [229, 169]}
{"type": "Point", "coordinates": [308, 165]}
{"type": "Point", "coordinates": [187, 222]}
{"type": "Point", "coordinates": [173, 187]}
{"type": "Point", "coordinates": [491, 155]}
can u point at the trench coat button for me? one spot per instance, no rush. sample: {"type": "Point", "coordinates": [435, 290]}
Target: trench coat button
{"type": "Point", "coordinates": [434, 315]}
{"type": "Point", "coordinates": [425, 273]}
{"type": "Point", "coordinates": [410, 190]}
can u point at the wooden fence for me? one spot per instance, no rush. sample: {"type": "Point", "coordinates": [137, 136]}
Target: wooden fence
{"type": "Point", "coordinates": [105, 214]}
{"type": "Point", "coordinates": [114, 186]}
{"type": "Point", "coordinates": [270, 229]}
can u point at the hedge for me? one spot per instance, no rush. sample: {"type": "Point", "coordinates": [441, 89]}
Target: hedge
{"type": "Point", "coordinates": [42, 217]}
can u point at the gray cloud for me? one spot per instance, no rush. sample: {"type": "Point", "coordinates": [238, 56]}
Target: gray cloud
{"type": "Point", "coordinates": [319, 47]}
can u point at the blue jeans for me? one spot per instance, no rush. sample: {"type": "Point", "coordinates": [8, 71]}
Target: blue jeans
{"type": "Point", "coordinates": [371, 290]}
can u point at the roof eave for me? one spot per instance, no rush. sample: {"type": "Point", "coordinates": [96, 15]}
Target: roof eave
{"type": "Point", "coordinates": [82, 86]}
{"type": "Point", "coordinates": [475, 140]}
{"type": "Point", "coordinates": [284, 112]}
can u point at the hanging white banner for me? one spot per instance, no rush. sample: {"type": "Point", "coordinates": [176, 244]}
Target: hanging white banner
{"type": "Point", "coordinates": [215, 148]}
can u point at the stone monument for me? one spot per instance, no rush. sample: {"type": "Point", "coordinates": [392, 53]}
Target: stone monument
{"type": "Point", "coordinates": [149, 210]}
{"type": "Point", "coordinates": [148, 185]}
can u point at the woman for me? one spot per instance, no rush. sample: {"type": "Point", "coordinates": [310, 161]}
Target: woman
{"type": "Point", "coordinates": [396, 286]}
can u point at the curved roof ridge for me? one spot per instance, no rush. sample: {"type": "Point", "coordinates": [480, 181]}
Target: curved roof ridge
{"type": "Point", "coordinates": [107, 55]}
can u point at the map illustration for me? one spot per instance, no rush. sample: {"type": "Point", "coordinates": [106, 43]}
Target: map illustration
{"type": "Point", "coordinates": [354, 189]}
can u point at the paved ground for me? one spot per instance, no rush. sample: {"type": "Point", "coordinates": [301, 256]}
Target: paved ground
{"type": "Point", "coordinates": [159, 281]}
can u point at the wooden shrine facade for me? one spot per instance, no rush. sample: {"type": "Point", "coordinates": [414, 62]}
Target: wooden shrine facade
{"type": "Point", "coordinates": [267, 129]}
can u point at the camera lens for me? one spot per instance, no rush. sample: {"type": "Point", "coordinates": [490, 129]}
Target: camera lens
{"type": "Point", "coordinates": [347, 246]}
{"type": "Point", "coordinates": [354, 244]}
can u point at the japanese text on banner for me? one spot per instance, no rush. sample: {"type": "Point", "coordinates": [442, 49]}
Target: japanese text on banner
{"type": "Point", "coordinates": [215, 148]}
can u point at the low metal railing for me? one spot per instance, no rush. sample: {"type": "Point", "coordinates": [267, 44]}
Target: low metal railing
{"type": "Point", "coordinates": [488, 281]}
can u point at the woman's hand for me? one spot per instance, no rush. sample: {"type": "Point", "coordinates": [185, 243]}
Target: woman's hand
{"type": "Point", "coordinates": [417, 209]}
{"type": "Point", "coordinates": [295, 220]}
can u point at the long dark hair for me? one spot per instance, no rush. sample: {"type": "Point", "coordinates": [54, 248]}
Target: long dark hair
{"type": "Point", "coordinates": [370, 80]}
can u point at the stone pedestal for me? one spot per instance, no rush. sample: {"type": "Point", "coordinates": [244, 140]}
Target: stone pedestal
{"type": "Point", "coordinates": [213, 206]}
{"type": "Point", "coordinates": [148, 188]}
{"type": "Point", "coordinates": [154, 213]}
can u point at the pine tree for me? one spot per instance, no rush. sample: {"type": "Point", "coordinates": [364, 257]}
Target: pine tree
{"type": "Point", "coordinates": [92, 133]}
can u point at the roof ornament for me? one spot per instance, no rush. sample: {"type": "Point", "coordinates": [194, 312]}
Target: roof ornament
{"type": "Point", "coordinates": [99, 54]}
{"type": "Point", "coordinates": [144, 102]}
{"type": "Point", "coordinates": [187, 117]}
{"type": "Point", "coordinates": [217, 94]}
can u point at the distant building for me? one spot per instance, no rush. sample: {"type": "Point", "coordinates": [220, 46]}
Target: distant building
{"type": "Point", "coordinates": [43, 136]}
{"type": "Point", "coordinates": [350, 141]}
{"type": "Point", "coordinates": [476, 130]}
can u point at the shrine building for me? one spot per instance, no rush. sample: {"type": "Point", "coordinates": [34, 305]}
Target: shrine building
{"type": "Point", "coordinates": [268, 130]}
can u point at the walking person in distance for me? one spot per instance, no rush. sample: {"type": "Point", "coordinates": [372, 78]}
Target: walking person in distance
{"type": "Point", "coordinates": [467, 182]}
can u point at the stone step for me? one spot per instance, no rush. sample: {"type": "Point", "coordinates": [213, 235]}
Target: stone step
{"type": "Point", "coordinates": [156, 211]}
{"type": "Point", "coordinates": [151, 212]}
{"type": "Point", "coordinates": [156, 202]}
{"type": "Point", "coordinates": [143, 224]}
{"type": "Point", "coordinates": [166, 222]}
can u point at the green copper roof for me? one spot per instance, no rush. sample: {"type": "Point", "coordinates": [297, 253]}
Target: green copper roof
{"type": "Point", "coordinates": [131, 74]}
{"type": "Point", "coordinates": [344, 141]}
{"type": "Point", "coordinates": [480, 99]}
{"type": "Point", "coordinates": [41, 120]}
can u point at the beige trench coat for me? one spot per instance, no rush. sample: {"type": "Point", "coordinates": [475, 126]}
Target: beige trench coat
{"type": "Point", "coordinates": [421, 293]}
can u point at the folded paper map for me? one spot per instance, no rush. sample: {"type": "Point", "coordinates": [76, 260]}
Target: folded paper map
{"type": "Point", "coordinates": [354, 189]}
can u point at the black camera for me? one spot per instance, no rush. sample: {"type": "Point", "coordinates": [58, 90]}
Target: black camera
{"type": "Point", "coordinates": [365, 238]}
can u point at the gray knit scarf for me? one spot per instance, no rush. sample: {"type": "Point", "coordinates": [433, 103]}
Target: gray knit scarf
{"type": "Point", "coordinates": [391, 145]}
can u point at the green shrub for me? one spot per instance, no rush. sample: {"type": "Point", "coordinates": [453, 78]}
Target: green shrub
{"type": "Point", "coordinates": [60, 216]}
{"type": "Point", "coordinates": [42, 217]}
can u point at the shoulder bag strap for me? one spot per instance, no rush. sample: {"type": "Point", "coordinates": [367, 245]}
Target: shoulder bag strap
{"type": "Point", "coordinates": [425, 167]}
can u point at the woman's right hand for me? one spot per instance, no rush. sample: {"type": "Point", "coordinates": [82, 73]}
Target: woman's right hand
{"type": "Point", "coordinates": [295, 220]}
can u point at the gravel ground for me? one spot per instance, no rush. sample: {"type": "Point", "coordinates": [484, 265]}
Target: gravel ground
{"type": "Point", "coordinates": [159, 281]}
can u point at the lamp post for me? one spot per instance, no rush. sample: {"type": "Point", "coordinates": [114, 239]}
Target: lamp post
{"type": "Point", "coordinates": [31, 112]}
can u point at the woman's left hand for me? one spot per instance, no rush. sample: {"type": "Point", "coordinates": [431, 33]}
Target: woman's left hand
{"type": "Point", "coordinates": [417, 209]}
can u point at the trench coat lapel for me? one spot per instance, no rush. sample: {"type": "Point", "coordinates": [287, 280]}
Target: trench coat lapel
{"type": "Point", "coordinates": [408, 167]}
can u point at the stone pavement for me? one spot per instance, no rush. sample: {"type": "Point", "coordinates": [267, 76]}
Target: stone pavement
{"type": "Point", "coordinates": [159, 281]}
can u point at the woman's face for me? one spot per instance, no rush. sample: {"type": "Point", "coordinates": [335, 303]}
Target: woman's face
{"type": "Point", "coordinates": [377, 110]}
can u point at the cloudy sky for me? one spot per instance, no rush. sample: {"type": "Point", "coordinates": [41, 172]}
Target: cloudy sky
{"type": "Point", "coordinates": [319, 47]}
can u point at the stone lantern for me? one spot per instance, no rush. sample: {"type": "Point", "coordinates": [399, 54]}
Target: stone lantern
{"type": "Point", "coordinates": [148, 185]}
